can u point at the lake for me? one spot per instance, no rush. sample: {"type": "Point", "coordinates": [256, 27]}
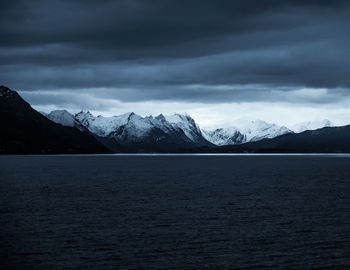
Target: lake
{"type": "Point", "coordinates": [175, 212]}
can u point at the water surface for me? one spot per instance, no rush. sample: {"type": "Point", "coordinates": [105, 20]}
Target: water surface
{"type": "Point", "coordinates": [175, 212]}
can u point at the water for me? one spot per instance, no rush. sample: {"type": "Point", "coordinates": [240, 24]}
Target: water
{"type": "Point", "coordinates": [175, 212]}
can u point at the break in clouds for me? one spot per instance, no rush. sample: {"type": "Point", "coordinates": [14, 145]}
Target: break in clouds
{"type": "Point", "coordinates": [178, 55]}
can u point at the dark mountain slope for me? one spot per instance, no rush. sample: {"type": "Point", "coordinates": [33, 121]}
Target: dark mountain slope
{"type": "Point", "coordinates": [26, 131]}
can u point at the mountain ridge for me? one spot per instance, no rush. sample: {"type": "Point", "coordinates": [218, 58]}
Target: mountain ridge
{"type": "Point", "coordinates": [253, 131]}
{"type": "Point", "coordinates": [178, 131]}
{"type": "Point", "coordinates": [323, 140]}
{"type": "Point", "coordinates": [26, 131]}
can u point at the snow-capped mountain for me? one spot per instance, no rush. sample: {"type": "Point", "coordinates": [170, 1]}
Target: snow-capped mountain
{"type": "Point", "coordinates": [187, 124]}
{"type": "Point", "coordinates": [176, 129]}
{"type": "Point", "coordinates": [26, 131]}
{"type": "Point", "coordinates": [249, 131]}
{"type": "Point", "coordinates": [258, 130]}
{"type": "Point", "coordinates": [128, 129]}
{"type": "Point", "coordinates": [311, 125]}
{"type": "Point", "coordinates": [62, 117]}
{"type": "Point", "coordinates": [225, 136]}
{"type": "Point", "coordinates": [102, 126]}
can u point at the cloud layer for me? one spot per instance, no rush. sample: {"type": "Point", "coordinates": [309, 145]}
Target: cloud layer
{"type": "Point", "coordinates": [194, 51]}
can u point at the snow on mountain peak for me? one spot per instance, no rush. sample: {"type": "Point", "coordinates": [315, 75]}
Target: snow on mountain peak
{"type": "Point", "coordinates": [103, 126]}
{"type": "Point", "coordinates": [132, 127]}
{"type": "Point", "coordinates": [160, 117]}
{"type": "Point", "coordinates": [258, 129]}
{"type": "Point", "coordinates": [311, 125]}
{"type": "Point", "coordinates": [224, 136]}
{"type": "Point", "coordinates": [246, 131]}
{"type": "Point", "coordinates": [84, 115]}
{"type": "Point", "coordinates": [62, 117]}
{"type": "Point", "coordinates": [187, 124]}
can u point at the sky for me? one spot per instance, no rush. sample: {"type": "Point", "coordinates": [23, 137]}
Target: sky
{"type": "Point", "coordinates": [220, 61]}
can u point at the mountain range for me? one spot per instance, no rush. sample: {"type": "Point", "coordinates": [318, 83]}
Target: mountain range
{"type": "Point", "coordinates": [252, 131]}
{"type": "Point", "coordinates": [133, 133]}
{"type": "Point", "coordinates": [27, 131]}
{"type": "Point", "coordinates": [324, 140]}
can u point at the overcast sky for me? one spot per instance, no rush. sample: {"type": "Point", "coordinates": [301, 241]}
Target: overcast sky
{"type": "Point", "coordinates": [279, 61]}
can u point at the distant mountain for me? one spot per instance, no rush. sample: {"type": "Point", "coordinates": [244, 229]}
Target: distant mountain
{"type": "Point", "coordinates": [311, 125]}
{"type": "Point", "coordinates": [26, 131]}
{"type": "Point", "coordinates": [225, 136]}
{"type": "Point", "coordinates": [62, 117]}
{"type": "Point", "coordinates": [187, 124]}
{"type": "Point", "coordinates": [251, 131]}
{"type": "Point", "coordinates": [324, 140]}
{"type": "Point", "coordinates": [132, 133]}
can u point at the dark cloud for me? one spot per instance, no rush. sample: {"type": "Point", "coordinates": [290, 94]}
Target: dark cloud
{"type": "Point", "coordinates": [177, 50]}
